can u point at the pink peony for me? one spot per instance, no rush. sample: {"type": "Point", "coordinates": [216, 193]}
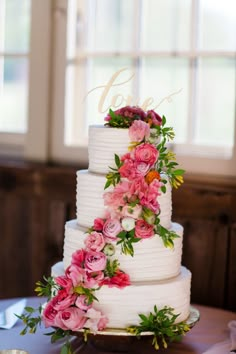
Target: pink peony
{"type": "Point", "coordinates": [154, 117]}
{"type": "Point", "coordinates": [93, 279]}
{"type": "Point", "coordinates": [115, 199]}
{"type": "Point", "coordinates": [139, 187]}
{"type": "Point", "coordinates": [146, 153]}
{"type": "Point", "coordinates": [120, 280]}
{"type": "Point", "coordinates": [82, 303]}
{"type": "Point", "coordinates": [95, 241]}
{"type": "Point", "coordinates": [72, 318]}
{"type": "Point", "coordinates": [98, 224]}
{"type": "Point", "coordinates": [96, 320]}
{"type": "Point", "coordinates": [75, 274]}
{"type": "Point", "coordinates": [139, 131]}
{"type": "Point", "coordinates": [95, 261]}
{"type": "Point", "coordinates": [131, 112]}
{"type": "Point", "coordinates": [49, 314]}
{"type": "Point", "coordinates": [150, 198]}
{"type": "Point", "coordinates": [133, 212]}
{"type": "Point", "coordinates": [143, 229]}
{"type": "Point", "coordinates": [111, 229]}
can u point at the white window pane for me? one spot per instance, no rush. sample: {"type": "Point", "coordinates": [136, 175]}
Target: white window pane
{"type": "Point", "coordinates": [92, 88]}
{"type": "Point", "coordinates": [218, 25]}
{"type": "Point", "coordinates": [110, 25]}
{"type": "Point", "coordinates": [166, 25]}
{"type": "Point", "coordinates": [166, 81]}
{"type": "Point", "coordinates": [13, 95]}
{"type": "Point", "coordinates": [216, 102]}
{"type": "Point", "coordinates": [17, 25]}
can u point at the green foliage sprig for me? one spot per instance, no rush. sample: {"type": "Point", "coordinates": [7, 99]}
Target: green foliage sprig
{"type": "Point", "coordinates": [31, 319]}
{"type": "Point", "coordinates": [113, 177]}
{"type": "Point", "coordinates": [48, 289]}
{"type": "Point", "coordinates": [118, 121]}
{"type": "Point", "coordinates": [126, 240]}
{"type": "Point", "coordinates": [162, 324]}
{"type": "Point", "coordinates": [111, 267]}
{"type": "Point", "coordinates": [166, 235]}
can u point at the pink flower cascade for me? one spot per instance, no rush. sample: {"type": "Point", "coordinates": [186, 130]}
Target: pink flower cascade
{"type": "Point", "coordinates": [131, 206]}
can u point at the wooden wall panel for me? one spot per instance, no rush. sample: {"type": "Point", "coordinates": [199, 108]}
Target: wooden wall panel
{"type": "Point", "coordinates": [205, 255]}
{"type": "Point", "coordinates": [231, 280]}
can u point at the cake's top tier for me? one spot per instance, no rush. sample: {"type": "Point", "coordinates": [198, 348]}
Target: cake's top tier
{"type": "Point", "coordinates": [104, 141]}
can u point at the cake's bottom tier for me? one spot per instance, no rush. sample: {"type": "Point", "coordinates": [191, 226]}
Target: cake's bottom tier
{"type": "Point", "coordinates": [122, 306]}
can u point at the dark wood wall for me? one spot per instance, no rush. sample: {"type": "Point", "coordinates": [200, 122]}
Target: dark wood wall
{"type": "Point", "coordinates": [36, 200]}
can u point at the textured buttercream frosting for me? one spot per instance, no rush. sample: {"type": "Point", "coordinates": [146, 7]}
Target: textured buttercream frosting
{"type": "Point", "coordinates": [122, 306]}
{"type": "Point", "coordinates": [151, 260]}
{"type": "Point", "coordinates": [90, 203]}
{"type": "Point", "coordinates": [104, 142]}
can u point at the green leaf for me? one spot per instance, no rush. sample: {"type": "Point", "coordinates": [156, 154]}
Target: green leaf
{"type": "Point", "coordinates": [178, 172]}
{"type": "Point", "coordinates": [117, 161]}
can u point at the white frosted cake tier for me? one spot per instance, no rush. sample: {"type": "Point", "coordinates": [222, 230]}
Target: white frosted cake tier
{"type": "Point", "coordinates": [151, 260]}
{"type": "Point", "coordinates": [122, 306]}
{"type": "Point", "coordinates": [104, 142]}
{"type": "Point", "coordinates": [90, 203]}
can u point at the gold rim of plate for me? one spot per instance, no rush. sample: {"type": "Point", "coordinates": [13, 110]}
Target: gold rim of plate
{"type": "Point", "coordinates": [193, 318]}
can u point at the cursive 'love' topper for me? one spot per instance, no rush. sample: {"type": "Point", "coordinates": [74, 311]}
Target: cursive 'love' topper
{"type": "Point", "coordinates": [107, 100]}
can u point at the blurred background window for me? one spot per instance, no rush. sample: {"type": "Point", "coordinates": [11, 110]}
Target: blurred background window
{"type": "Point", "coordinates": [14, 65]}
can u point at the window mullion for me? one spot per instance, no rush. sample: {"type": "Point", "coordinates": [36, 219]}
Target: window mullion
{"type": "Point", "coordinates": [193, 64]}
{"type": "Point", "coordinates": [37, 138]}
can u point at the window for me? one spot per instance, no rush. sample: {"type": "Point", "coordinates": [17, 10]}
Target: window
{"type": "Point", "coordinates": [14, 67]}
{"type": "Point", "coordinates": [84, 56]}
{"type": "Point", "coordinates": [24, 77]}
{"type": "Point", "coordinates": [179, 54]}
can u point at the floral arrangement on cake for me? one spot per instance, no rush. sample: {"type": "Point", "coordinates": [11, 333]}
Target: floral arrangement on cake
{"type": "Point", "coordinates": [131, 198]}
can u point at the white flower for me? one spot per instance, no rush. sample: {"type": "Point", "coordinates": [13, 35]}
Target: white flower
{"type": "Point", "coordinates": [128, 224]}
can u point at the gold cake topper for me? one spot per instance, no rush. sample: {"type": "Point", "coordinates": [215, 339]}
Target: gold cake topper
{"type": "Point", "coordinates": [119, 100]}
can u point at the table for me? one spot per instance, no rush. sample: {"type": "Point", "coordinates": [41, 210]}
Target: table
{"type": "Point", "coordinates": [211, 328]}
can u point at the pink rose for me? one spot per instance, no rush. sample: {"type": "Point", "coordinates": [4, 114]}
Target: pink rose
{"type": "Point", "coordinates": [75, 274]}
{"type": "Point", "coordinates": [120, 280]}
{"type": "Point", "coordinates": [139, 131]}
{"type": "Point", "coordinates": [146, 153]}
{"type": "Point", "coordinates": [98, 224]}
{"type": "Point", "coordinates": [82, 303]}
{"type": "Point", "coordinates": [143, 229]}
{"type": "Point", "coordinates": [49, 314]}
{"type": "Point", "coordinates": [78, 257]}
{"type": "Point", "coordinates": [141, 168]}
{"type": "Point", "coordinates": [111, 229]}
{"type": "Point", "coordinates": [62, 300]}
{"type": "Point", "coordinates": [65, 283]}
{"type": "Point", "coordinates": [95, 261]}
{"type": "Point", "coordinates": [154, 117]}
{"type": "Point", "coordinates": [95, 241]}
{"type": "Point", "coordinates": [71, 318]}
{"type": "Point", "coordinates": [96, 320]}
{"type": "Point", "coordinates": [93, 279]}
{"type": "Point", "coordinates": [133, 212]}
